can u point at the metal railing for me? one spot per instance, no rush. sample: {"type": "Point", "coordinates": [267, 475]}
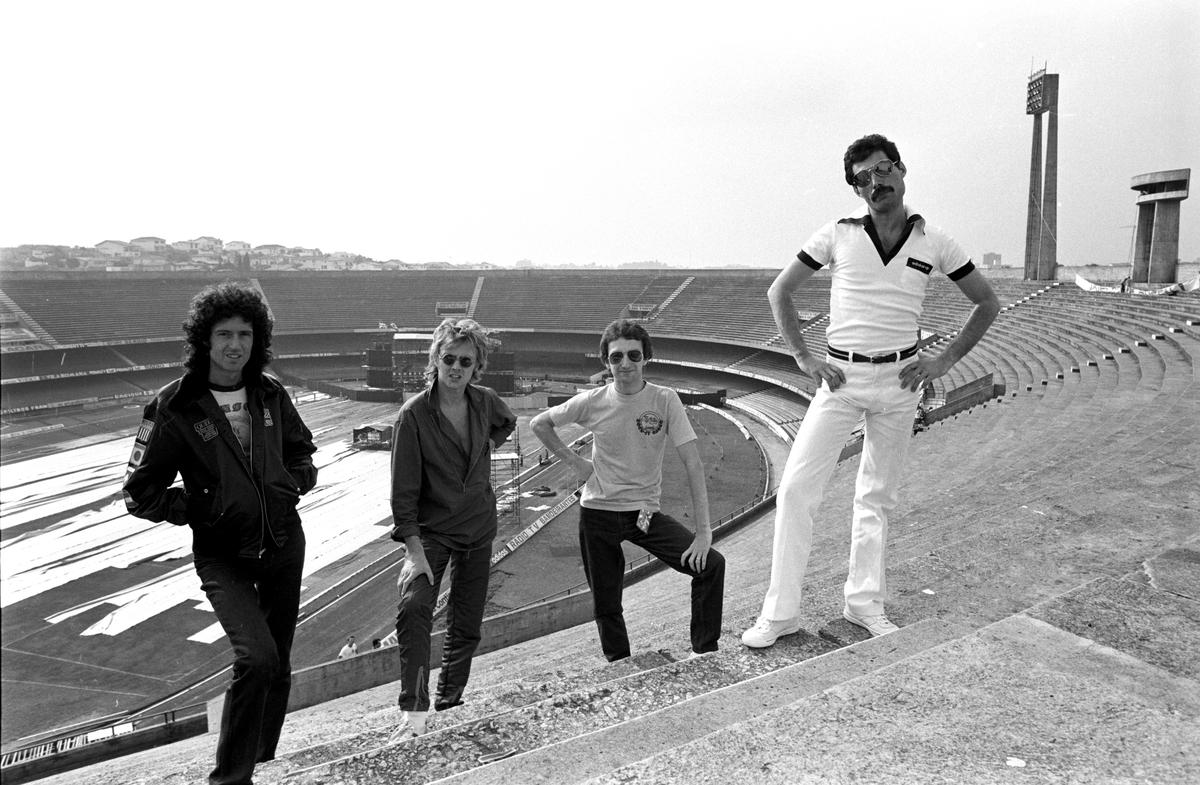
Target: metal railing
{"type": "Point", "coordinates": [79, 738]}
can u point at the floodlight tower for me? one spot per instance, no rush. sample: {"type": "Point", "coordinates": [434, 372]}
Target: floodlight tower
{"type": "Point", "coordinates": [1041, 228]}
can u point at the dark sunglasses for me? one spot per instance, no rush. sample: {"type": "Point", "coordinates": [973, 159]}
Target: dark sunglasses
{"type": "Point", "coordinates": [634, 357]}
{"type": "Point", "coordinates": [882, 169]}
{"type": "Point", "coordinates": [449, 359]}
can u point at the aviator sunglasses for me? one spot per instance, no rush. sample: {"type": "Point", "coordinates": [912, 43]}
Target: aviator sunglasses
{"type": "Point", "coordinates": [882, 169]}
{"type": "Point", "coordinates": [464, 362]}
{"type": "Point", "coordinates": [634, 357]}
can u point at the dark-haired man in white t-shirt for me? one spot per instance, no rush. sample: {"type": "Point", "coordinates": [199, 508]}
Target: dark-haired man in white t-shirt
{"type": "Point", "coordinates": [631, 421]}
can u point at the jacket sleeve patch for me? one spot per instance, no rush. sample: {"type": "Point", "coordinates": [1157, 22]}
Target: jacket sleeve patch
{"type": "Point", "coordinates": [139, 446]}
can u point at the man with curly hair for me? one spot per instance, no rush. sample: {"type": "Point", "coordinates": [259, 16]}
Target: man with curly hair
{"type": "Point", "coordinates": [245, 457]}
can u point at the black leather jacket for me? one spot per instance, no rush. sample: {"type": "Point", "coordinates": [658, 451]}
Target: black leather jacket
{"type": "Point", "coordinates": [237, 505]}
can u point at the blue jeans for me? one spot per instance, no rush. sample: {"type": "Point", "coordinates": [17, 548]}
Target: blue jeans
{"type": "Point", "coordinates": [600, 536]}
{"type": "Point", "coordinates": [464, 616]}
{"type": "Point", "coordinates": [256, 602]}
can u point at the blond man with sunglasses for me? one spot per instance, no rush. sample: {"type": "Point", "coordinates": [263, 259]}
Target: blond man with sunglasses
{"type": "Point", "coordinates": [632, 421]}
{"type": "Point", "coordinates": [444, 511]}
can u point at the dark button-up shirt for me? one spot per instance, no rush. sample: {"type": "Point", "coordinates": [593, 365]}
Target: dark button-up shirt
{"type": "Point", "coordinates": [441, 487]}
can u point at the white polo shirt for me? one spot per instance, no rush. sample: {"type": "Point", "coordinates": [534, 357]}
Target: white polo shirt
{"type": "Point", "coordinates": [876, 297]}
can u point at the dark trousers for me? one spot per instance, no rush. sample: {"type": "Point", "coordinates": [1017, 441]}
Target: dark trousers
{"type": "Point", "coordinates": [464, 616]}
{"type": "Point", "coordinates": [600, 536]}
{"type": "Point", "coordinates": [256, 602]}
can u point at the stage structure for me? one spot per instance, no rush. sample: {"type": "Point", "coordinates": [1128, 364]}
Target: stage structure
{"type": "Point", "coordinates": [506, 482]}
{"type": "Point", "coordinates": [1041, 227]}
{"type": "Point", "coordinates": [379, 367]}
{"type": "Point", "coordinates": [1156, 243]}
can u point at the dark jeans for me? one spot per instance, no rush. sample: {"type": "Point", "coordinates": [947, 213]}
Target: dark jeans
{"type": "Point", "coordinates": [256, 602]}
{"type": "Point", "coordinates": [464, 616]}
{"type": "Point", "coordinates": [600, 536]}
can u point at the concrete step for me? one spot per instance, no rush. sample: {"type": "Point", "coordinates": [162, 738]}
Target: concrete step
{"type": "Point", "coordinates": [1158, 627]}
{"type": "Point", "coordinates": [345, 736]}
{"type": "Point", "coordinates": [599, 749]}
{"type": "Point", "coordinates": [449, 750]}
{"type": "Point", "coordinates": [1020, 700]}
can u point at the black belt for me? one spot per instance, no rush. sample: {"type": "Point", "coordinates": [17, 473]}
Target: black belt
{"type": "Point", "coordinates": [855, 357]}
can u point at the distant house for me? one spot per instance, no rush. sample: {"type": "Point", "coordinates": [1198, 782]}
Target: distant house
{"type": "Point", "coordinates": [207, 243]}
{"type": "Point", "coordinates": [149, 244]}
{"type": "Point", "coordinates": [237, 246]}
{"type": "Point", "coordinates": [112, 247]}
{"type": "Point", "coordinates": [304, 253]}
{"type": "Point", "coordinates": [185, 245]}
{"type": "Point", "coordinates": [270, 250]}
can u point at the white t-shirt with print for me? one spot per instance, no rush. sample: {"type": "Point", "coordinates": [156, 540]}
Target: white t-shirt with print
{"type": "Point", "coordinates": [233, 403]}
{"type": "Point", "coordinates": [629, 437]}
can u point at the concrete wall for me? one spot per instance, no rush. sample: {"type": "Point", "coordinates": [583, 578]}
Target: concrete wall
{"type": "Point", "coordinates": [106, 749]}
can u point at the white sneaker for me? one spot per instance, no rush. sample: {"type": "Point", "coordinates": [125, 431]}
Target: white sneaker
{"type": "Point", "coordinates": [412, 724]}
{"type": "Point", "coordinates": [765, 632]}
{"type": "Point", "coordinates": [876, 625]}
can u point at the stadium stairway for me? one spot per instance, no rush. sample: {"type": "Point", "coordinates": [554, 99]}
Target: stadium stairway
{"type": "Point", "coordinates": [1044, 564]}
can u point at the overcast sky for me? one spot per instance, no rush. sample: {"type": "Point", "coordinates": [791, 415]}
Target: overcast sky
{"type": "Point", "coordinates": [692, 133]}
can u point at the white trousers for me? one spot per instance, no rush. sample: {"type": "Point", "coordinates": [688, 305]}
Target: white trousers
{"type": "Point", "coordinates": [872, 395]}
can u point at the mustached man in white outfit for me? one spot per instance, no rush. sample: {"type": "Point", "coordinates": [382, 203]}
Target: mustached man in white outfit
{"type": "Point", "coordinates": [881, 262]}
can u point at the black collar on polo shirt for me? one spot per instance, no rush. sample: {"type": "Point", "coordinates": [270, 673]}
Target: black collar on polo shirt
{"type": "Point", "coordinates": [866, 223]}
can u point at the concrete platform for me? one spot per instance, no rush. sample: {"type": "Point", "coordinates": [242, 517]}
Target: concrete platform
{"type": "Point", "coordinates": [1019, 701]}
{"type": "Point", "coordinates": [709, 711]}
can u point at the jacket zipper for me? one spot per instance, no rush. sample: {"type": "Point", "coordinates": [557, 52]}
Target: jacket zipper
{"type": "Point", "coordinates": [262, 503]}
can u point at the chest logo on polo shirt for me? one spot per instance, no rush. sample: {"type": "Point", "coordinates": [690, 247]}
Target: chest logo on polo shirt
{"type": "Point", "coordinates": [919, 266]}
{"type": "Point", "coordinates": [207, 429]}
{"type": "Point", "coordinates": [267, 421]}
{"type": "Point", "coordinates": [649, 423]}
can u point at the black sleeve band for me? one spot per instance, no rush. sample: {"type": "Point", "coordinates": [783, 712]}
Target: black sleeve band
{"type": "Point", "coordinates": [962, 272]}
{"type": "Point", "coordinates": [811, 262]}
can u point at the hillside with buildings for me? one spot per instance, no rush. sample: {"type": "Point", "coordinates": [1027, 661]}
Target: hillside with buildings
{"type": "Point", "coordinates": [155, 254]}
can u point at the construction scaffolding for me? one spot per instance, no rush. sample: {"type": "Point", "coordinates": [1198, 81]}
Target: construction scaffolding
{"type": "Point", "coordinates": [506, 482]}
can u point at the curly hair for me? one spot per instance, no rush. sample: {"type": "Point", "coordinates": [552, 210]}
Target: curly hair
{"type": "Point", "coordinates": [216, 303]}
{"type": "Point", "coordinates": [862, 148]}
{"type": "Point", "coordinates": [452, 331]}
{"type": "Point", "coordinates": [630, 330]}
